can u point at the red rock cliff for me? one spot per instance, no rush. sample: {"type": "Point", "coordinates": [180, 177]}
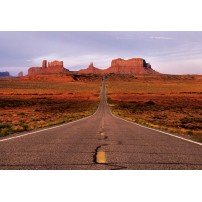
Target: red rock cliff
{"type": "Point", "coordinates": [54, 67]}
{"type": "Point", "coordinates": [131, 66]}
{"type": "Point", "coordinates": [120, 66]}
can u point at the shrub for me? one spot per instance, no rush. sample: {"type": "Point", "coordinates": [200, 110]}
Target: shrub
{"type": "Point", "coordinates": [189, 132]}
{"type": "Point", "coordinates": [24, 125]}
{"type": "Point", "coordinates": [4, 132]}
{"type": "Point", "coordinates": [150, 102]}
{"type": "Point", "coordinates": [17, 129]}
{"type": "Point", "coordinates": [2, 126]}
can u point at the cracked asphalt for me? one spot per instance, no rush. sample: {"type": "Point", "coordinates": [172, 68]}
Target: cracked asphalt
{"type": "Point", "coordinates": [101, 141]}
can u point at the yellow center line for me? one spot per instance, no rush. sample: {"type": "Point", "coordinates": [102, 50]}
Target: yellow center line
{"type": "Point", "coordinates": [102, 123]}
{"type": "Point", "coordinates": [101, 157]}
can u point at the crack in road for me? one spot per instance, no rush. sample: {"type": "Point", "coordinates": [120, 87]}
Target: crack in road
{"type": "Point", "coordinates": [95, 156]}
{"type": "Point", "coordinates": [99, 157]}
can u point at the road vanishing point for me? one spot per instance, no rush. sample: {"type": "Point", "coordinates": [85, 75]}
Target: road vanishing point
{"type": "Point", "coordinates": [100, 141]}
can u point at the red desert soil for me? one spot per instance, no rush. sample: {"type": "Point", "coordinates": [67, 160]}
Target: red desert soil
{"type": "Point", "coordinates": [27, 104]}
{"type": "Point", "coordinates": [169, 103]}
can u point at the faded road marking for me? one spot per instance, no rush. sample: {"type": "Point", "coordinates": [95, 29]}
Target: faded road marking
{"type": "Point", "coordinates": [102, 134]}
{"type": "Point", "coordinates": [101, 157]}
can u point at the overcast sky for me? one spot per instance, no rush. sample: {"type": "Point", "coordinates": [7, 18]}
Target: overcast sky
{"type": "Point", "coordinates": [167, 52]}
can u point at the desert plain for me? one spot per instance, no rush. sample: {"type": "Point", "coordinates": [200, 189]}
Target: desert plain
{"type": "Point", "coordinates": [171, 103]}
{"type": "Point", "coordinates": [29, 104]}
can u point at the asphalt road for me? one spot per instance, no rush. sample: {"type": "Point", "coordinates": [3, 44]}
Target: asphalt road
{"type": "Point", "coordinates": [101, 141]}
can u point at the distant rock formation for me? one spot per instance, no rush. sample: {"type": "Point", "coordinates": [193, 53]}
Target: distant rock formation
{"type": "Point", "coordinates": [20, 74]}
{"type": "Point", "coordinates": [90, 70]}
{"type": "Point", "coordinates": [4, 74]}
{"type": "Point", "coordinates": [44, 63]}
{"type": "Point", "coordinates": [54, 67]}
{"type": "Point", "coordinates": [132, 66]}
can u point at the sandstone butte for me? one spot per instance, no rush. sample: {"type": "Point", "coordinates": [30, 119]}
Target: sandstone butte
{"type": "Point", "coordinates": [20, 74]}
{"type": "Point", "coordinates": [132, 66]}
{"type": "Point", "coordinates": [50, 71]}
{"type": "Point", "coordinates": [120, 66]}
{"type": "Point", "coordinates": [54, 67]}
{"type": "Point", "coordinates": [91, 70]}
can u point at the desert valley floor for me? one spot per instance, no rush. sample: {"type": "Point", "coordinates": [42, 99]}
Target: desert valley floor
{"type": "Point", "coordinates": [102, 140]}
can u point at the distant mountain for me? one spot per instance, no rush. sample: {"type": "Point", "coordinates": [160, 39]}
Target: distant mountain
{"type": "Point", "coordinates": [131, 66]}
{"type": "Point", "coordinates": [4, 74]}
{"type": "Point", "coordinates": [90, 70]}
{"type": "Point", "coordinates": [134, 66]}
{"type": "Point", "coordinates": [47, 68]}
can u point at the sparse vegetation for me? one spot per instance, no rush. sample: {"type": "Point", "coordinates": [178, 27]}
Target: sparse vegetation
{"type": "Point", "coordinates": [28, 105]}
{"type": "Point", "coordinates": [170, 103]}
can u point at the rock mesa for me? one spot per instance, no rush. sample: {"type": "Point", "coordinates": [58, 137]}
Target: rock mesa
{"type": "Point", "coordinates": [132, 66]}
{"type": "Point", "coordinates": [54, 67]}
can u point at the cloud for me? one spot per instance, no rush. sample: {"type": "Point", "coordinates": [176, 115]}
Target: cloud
{"type": "Point", "coordinates": [161, 37]}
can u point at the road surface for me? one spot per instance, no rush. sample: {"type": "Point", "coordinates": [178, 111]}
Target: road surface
{"type": "Point", "coordinates": [101, 141]}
